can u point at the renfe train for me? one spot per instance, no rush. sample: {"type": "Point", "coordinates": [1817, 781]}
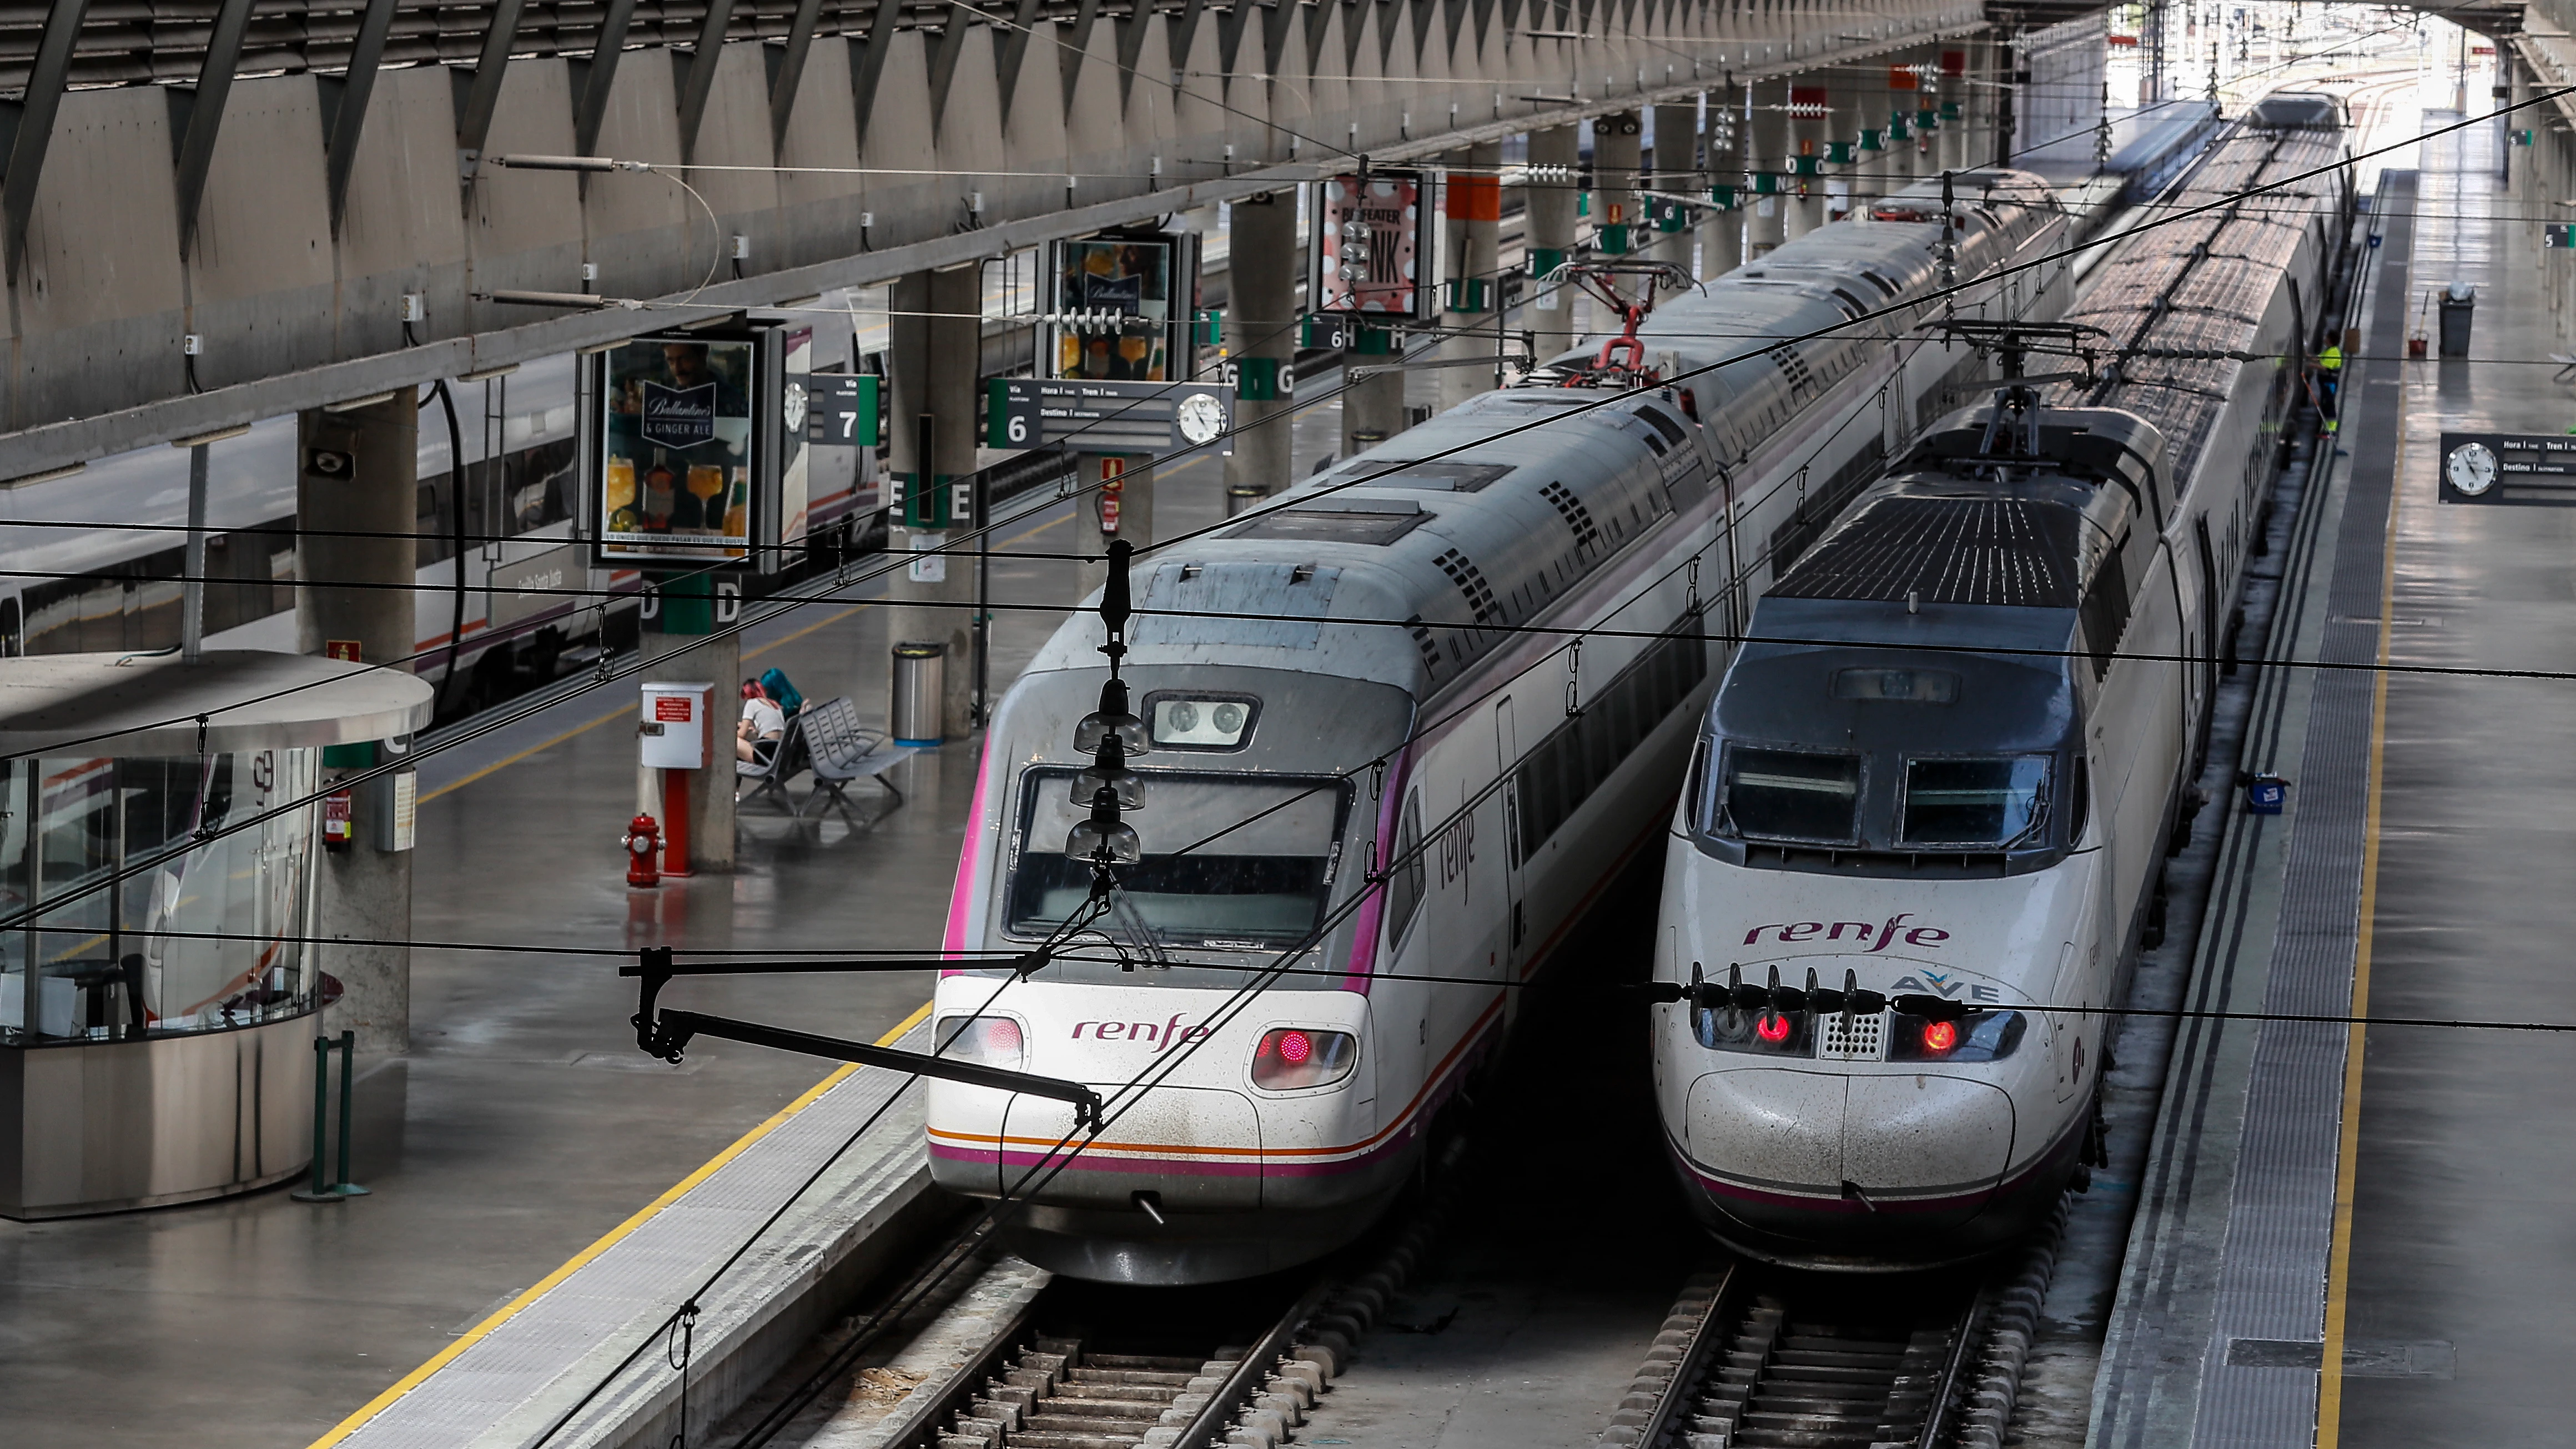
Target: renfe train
{"type": "Point", "coordinates": [1952, 764]}
{"type": "Point", "coordinates": [1358, 763]}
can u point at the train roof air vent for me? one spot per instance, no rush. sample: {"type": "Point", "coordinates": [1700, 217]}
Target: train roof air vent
{"type": "Point", "coordinates": [1470, 580]}
{"type": "Point", "coordinates": [1577, 517]}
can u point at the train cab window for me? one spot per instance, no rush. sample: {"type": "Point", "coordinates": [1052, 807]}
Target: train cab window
{"type": "Point", "coordinates": [1980, 803]}
{"type": "Point", "coordinates": [1230, 860]}
{"type": "Point", "coordinates": [1799, 795]}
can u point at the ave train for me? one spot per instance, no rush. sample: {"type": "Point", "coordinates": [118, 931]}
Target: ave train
{"type": "Point", "coordinates": [1361, 765]}
{"type": "Point", "coordinates": [1951, 765]}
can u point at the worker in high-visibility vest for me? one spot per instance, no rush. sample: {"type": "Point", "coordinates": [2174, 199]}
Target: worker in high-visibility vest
{"type": "Point", "coordinates": [2329, 381]}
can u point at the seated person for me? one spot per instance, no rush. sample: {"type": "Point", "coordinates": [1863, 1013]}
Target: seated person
{"type": "Point", "coordinates": [763, 725]}
{"type": "Point", "coordinates": [782, 692]}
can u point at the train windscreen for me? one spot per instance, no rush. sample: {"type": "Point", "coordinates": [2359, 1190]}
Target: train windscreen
{"type": "Point", "coordinates": [1229, 861]}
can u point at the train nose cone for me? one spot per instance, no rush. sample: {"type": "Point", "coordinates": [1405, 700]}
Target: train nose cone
{"type": "Point", "coordinates": [1927, 1144]}
{"type": "Point", "coordinates": [1816, 1167]}
{"type": "Point", "coordinates": [1771, 1128]}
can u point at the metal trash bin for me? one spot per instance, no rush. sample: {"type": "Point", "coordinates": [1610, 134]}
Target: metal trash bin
{"type": "Point", "coordinates": [1244, 497]}
{"type": "Point", "coordinates": [2459, 308]}
{"type": "Point", "coordinates": [917, 711]}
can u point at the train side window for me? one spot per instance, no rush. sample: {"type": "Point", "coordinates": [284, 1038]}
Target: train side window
{"type": "Point", "coordinates": [1404, 877]}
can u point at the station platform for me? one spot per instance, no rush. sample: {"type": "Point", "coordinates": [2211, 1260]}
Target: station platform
{"type": "Point", "coordinates": [2349, 1236]}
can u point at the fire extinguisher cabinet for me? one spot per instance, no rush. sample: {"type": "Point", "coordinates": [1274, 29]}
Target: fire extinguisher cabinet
{"type": "Point", "coordinates": [920, 692]}
{"type": "Point", "coordinates": [156, 1031]}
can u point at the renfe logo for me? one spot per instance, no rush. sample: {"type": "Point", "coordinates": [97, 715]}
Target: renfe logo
{"type": "Point", "coordinates": [1170, 1033]}
{"type": "Point", "coordinates": [1860, 931]}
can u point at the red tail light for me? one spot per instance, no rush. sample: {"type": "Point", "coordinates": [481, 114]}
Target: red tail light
{"type": "Point", "coordinates": [1772, 1027]}
{"type": "Point", "coordinates": [1294, 1057]}
{"type": "Point", "coordinates": [1940, 1036]}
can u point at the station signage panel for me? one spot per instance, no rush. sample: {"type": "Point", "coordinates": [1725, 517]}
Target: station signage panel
{"type": "Point", "coordinates": [2522, 468]}
{"type": "Point", "coordinates": [1109, 417]}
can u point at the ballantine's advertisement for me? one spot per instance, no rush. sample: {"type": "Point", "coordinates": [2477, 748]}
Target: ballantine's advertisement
{"type": "Point", "coordinates": [676, 447]}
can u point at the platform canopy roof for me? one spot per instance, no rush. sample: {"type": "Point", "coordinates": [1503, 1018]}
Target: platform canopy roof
{"type": "Point", "coordinates": [224, 702]}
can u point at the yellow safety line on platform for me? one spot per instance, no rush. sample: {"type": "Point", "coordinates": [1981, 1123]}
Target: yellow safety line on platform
{"type": "Point", "coordinates": [2348, 1151]}
{"type": "Point", "coordinates": [498, 766]}
{"type": "Point", "coordinates": [443, 1357]}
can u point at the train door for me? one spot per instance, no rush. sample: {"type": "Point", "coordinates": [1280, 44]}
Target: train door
{"type": "Point", "coordinates": [1507, 758]}
{"type": "Point", "coordinates": [13, 629]}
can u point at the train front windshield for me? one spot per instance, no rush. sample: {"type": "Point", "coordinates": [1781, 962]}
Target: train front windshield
{"type": "Point", "coordinates": [1230, 861]}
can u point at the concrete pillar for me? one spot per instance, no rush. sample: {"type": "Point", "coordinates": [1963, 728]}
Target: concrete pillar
{"type": "Point", "coordinates": [1548, 233]}
{"type": "Point", "coordinates": [1372, 406]}
{"type": "Point", "coordinates": [1852, 95]}
{"type": "Point", "coordinates": [377, 498]}
{"type": "Point", "coordinates": [1472, 211]}
{"type": "Point", "coordinates": [1810, 125]}
{"type": "Point", "coordinates": [1906, 159]}
{"type": "Point", "coordinates": [1677, 173]}
{"type": "Point", "coordinates": [1767, 219]}
{"type": "Point", "coordinates": [1261, 324]}
{"type": "Point", "coordinates": [682, 645]}
{"type": "Point", "coordinates": [364, 894]}
{"type": "Point", "coordinates": [1721, 233]}
{"type": "Point", "coordinates": [1616, 148]}
{"type": "Point", "coordinates": [933, 356]}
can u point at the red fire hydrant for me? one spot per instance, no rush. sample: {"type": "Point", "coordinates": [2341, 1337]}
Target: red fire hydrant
{"type": "Point", "coordinates": [643, 842]}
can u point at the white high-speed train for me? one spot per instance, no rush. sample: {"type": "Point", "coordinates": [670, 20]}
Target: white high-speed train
{"type": "Point", "coordinates": [1353, 760]}
{"type": "Point", "coordinates": [1950, 770]}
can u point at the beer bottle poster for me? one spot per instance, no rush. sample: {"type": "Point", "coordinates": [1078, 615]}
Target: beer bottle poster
{"type": "Point", "coordinates": [1126, 284]}
{"type": "Point", "coordinates": [676, 450]}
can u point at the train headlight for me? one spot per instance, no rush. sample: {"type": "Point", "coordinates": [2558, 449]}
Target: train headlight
{"type": "Point", "coordinates": [1977, 1036]}
{"type": "Point", "coordinates": [1291, 1058]}
{"type": "Point", "coordinates": [1764, 1029]}
{"type": "Point", "coordinates": [989, 1041]}
{"type": "Point", "coordinates": [1200, 724]}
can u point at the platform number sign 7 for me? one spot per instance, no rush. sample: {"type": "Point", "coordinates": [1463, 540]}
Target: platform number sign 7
{"type": "Point", "coordinates": [842, 409]}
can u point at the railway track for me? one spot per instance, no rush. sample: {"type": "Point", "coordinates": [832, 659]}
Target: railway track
{"type": "Point", "coordinates": [1753, 1357]}
{"type": "Point", "coordinates": [1016, 1359]}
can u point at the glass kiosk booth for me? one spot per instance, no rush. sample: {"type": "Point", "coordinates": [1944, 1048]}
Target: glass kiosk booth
{"type": "Point", "coordinates": [160, 836]}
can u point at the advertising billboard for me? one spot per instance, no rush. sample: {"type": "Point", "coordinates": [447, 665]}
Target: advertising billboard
{"type": "Point", "coordinates": [1372, 248]}
{"type": "Point", "coordinates": [1122, 303]}
{"type": "Point", "coordinates": [679, 449]}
